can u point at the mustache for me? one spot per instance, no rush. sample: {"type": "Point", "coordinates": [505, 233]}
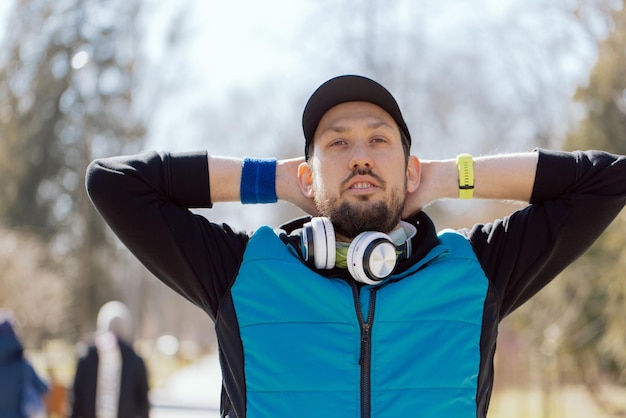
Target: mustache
{"type": "Point", "coordinates": [364, 172]}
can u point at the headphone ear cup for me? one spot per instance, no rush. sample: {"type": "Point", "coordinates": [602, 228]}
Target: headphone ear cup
{"type": "Point", "coordinates": [371, 257]}
{"type": "Point", "coordinates": [318, 241]}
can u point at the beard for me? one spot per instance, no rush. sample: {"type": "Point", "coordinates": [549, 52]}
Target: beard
{"type": "Point", "coordinates": [350, 219]}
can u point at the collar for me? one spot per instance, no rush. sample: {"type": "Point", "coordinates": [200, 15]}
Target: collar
{"type": "Point", "coordinates": [423, 240]}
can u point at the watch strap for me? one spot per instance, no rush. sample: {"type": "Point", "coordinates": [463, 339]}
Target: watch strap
{"type": "Point", "coordinates": [465, 165]}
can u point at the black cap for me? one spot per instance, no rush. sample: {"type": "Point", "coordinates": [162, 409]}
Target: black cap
{"type": "Point", "coordinates": [348, 88]}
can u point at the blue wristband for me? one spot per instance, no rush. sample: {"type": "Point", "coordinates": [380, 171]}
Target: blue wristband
{"type": "Point", "coordinates": [258, 180]}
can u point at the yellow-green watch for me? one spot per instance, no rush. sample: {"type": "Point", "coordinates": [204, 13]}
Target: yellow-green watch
{"type": "Point", "coordinates": [465, 165]}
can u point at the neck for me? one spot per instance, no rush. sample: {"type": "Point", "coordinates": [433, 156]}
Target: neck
{"type": "Point", "coordinates": [409, 232]}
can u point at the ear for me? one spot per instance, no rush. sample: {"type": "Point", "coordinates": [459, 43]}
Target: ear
{"type": "Point", "coordinates": [305, 179]}
{"type": "Point", "coordinates": [413, 173]}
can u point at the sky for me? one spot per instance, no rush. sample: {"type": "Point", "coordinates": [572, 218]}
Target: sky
{"type": "Point", "coordinates": [227, 46]}
{"type": "Point", "coordinates": [4, 7]}
{"type": "Point", "coordinates": [239, 42]}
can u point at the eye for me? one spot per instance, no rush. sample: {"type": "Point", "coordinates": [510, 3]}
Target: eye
{"type": "Point", "coordinates": [337, 142]}
{"type": "Point", "coordinates": [379, 139]}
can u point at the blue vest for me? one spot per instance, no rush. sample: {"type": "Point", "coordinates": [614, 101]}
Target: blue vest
{"type": "Point", "coordinates": [323, 347]}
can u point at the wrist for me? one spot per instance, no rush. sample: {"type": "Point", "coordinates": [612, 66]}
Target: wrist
{"type": "Point", "coordinates": [287, 178]}
{"type": "Point", "coordinates": [258, 180]}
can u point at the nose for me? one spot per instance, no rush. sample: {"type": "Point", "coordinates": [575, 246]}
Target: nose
{"type": "Point", "coordinates": [360, 156]}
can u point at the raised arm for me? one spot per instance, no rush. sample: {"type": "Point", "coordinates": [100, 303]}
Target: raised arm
{"type": "Point", "coordinates": [502, 177]}
{"type": "Point", "coordinates": [575, 196]}
{"type": "Point", "coordinates": [145, 199]}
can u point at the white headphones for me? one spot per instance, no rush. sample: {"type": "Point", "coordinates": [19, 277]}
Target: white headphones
{"type": "Point", "coordinates": [372, 256]}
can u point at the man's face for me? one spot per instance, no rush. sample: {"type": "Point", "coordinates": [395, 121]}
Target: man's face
{"type": "Point", "coordinates": [358, 172]}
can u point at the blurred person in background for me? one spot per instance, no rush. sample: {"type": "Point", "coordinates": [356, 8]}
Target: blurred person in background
{"type": "Point", "coordinates": [111, 379]}
{"type": "Point", "coordinates": [22, 391]}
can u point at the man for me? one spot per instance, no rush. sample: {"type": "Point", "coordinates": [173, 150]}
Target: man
{"type": "Point", "coordinates": [111, 379]}
{"type": "Point", "coordinates": [355, 312]}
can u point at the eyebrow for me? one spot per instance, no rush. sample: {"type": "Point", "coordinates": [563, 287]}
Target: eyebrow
{"type": "Point", "coordinates": [342, 129]}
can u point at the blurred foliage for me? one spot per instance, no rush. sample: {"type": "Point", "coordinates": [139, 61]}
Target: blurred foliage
{"type": "Point", "coordinates": [602, 102]}
{"type": "Point", "coordinates": [67, 82]}
{"type": "Point", "coordinates": [596, 334]}
{"type": "Point", "coordinates": [581, 317]}
{"type": "Point", "coordinates": [67, 77]}
{"type": "Point", "coordinates": [32, 286]}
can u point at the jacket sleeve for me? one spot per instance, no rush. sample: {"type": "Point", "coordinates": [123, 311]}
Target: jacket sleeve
{"type": "Point", "coordinates": [146, 200]}
{"type": "Point", "coordinates": [575, 198]}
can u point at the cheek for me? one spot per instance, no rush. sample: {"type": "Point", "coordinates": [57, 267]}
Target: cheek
{"type": "Point", "coordinates": [322, 186]}
{"type": "Point", "coordinates": [318, 185]}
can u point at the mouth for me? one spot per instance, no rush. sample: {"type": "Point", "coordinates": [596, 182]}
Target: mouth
{"type": "Point", "coordinates": [363, 182]}
{"type": "Point", "coordinates": [362, 185]}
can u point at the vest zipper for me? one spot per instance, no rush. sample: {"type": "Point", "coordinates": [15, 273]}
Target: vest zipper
{"type": "Point", "coordinates": [366, 350]}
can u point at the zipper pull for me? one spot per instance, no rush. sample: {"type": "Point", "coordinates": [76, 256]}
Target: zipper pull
{"type": "Point", "coordinates": [365, 335]}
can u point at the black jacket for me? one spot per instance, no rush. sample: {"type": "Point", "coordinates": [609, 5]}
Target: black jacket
{"type": "Point", "coordinates": [133, 401]}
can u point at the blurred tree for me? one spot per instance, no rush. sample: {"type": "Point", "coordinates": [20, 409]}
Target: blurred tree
{"type": "Point", "coordinates": [578, 323]}
{"type": "Point", "coordinates": [596, 331]}
{"type": "Point", "coordinates": [602, 102]}
{"type": "Point", "coordinates": [27, 263]}
{"type": "Point", "coordinates": [68, 70]}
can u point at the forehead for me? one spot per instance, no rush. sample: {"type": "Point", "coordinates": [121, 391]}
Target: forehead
{"type": "Point", "coordinates": [345, 114]}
